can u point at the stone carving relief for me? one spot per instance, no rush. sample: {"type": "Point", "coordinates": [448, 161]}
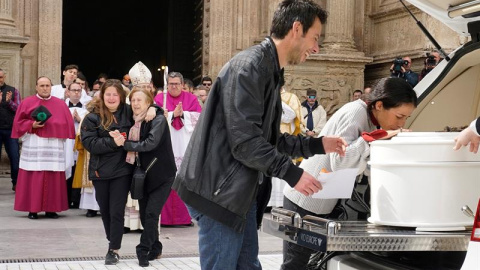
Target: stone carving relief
{"type": "Point", "coordinates": [4, 63]}
{"type": "Point", "coordinates": [332, 92]}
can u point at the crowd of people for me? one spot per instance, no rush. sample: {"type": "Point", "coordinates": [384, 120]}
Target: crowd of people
{"type": "Point", "coordinates": [76, 153]}
{"type": "Point", "coordinates": [218, 153]}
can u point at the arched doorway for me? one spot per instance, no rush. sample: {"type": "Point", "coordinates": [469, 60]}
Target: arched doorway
{"type": "Point", "coordinates": [111, 36]}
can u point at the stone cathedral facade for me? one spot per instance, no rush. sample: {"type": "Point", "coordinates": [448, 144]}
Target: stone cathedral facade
{"type": "Point", "coordinates": [359, 42]}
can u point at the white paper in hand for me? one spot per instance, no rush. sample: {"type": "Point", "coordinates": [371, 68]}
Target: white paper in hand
{"type": "Point", "coordinates": [337, 185]}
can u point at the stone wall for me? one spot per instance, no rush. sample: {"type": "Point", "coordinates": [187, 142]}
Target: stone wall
{"type": "Point", "coordinates": [30, 45]}
{"type": "Point", "coordinates": [358, 44]}
{"type": "Point", "coordinates": [390, 32]}
{"type": "Point", "coordinates": [30, 42]}
{"type": "Point", "coordinates": [335, 72]}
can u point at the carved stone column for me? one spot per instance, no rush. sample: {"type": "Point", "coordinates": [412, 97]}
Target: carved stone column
{"type": "Point", "coordinates": [340, 26]}
{"type": "Point", "coordinates": [50, 39]}
{"type": "Point", "coordinates": [339, 67]}
{"type": "Point", "coordinates": [234, 26]}
{"type": "Point", "coordinates": [11, 42]}
{"type": "Point", "coordinates": [7, 23]}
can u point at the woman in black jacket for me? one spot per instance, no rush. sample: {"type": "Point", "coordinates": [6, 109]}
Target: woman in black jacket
{"type": "Point", "coordinates": [110, 174]}
{"type": "Point", "coordinates": [150, 142]}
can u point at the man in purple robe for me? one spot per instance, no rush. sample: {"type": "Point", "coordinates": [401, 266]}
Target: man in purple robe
{"type": "Point", "coordinates": [183, 111]}
{"type": "Point", "coordinates": [41, 184]}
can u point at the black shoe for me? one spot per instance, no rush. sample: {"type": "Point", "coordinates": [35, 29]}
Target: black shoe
{"type": "Point", "coordinates": [143, 262]}
{"type": "Point", "coordinates": [191, 224]}
{"type": "Point", "coordinates": [126, 230]}
{"type": "Point", "coordinates": [13, 187]}
{"type": "Point", "coordinates": [156, 251]}
{"type": "Point", "coordinates": [32, 215]}
{"type": "Point", "coordinates": [142, 259]}
{"type": "Point", "coordinates": [51, 215]}
{"type": "Point", "coordinates": [91, 213]}
{"type": "Point", "coordinates": [73, 205]}
{"type": "Point", "coordinates": [111, 258]}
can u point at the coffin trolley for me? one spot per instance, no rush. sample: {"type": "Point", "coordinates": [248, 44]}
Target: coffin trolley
{"type": "Point", "coordinates": [329, 235]}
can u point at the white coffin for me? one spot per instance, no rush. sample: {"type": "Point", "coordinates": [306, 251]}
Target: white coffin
{"type": "Point", "coordinates": [419, 181]}
{"type": "Point", "coordinates": [420, 146]}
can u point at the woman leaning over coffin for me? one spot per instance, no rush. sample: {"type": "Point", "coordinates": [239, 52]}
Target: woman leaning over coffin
{"type": "Point", "coordinates": [110, 174]}
{"type": "Point", "coordinates": [151, 143]}
{"type": "Point", "coordinates": [359, 122]}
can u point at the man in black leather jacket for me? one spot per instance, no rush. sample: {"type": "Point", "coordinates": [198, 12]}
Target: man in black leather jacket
{"type": "Point", "coordinates": [237, 143]}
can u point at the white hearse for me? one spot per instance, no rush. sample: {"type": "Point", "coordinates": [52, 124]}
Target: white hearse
{"type": "Point", "coordinates": [424, 195]}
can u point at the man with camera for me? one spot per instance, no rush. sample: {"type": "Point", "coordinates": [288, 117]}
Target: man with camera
{"type": "Point", "coordinates": [401, 68]}
{"type": "Point", "coordinates": [430, 63]}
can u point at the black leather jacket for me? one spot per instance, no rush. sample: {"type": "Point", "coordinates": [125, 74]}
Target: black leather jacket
{"type": "Point", "coordinates": [155, 142]}
{"type": "Point", "coordinates": [236, 142]}
{"type": "Point", "coordinates": [107, 160]}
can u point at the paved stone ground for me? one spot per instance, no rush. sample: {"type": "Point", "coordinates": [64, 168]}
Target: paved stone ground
{"type": "Point", "coordinates": [269, 262]}
{"type": "Point", "coordinates": [76, 242]}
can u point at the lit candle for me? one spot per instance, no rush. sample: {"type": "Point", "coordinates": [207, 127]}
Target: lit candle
{"type": "Point", "coordinates": [165, 85]}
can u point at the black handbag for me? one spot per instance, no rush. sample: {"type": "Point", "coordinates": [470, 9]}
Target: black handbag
{"type": "Point", "coordinates": [138, 180]}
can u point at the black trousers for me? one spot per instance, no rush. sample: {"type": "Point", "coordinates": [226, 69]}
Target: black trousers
{"type": "Point", "coordinates": [294, 256]}
{"type": "Point", "coordinates": [150, 208]}
{"type": "Point", "coordinates": [111, 196]}
{"type": "Point", "coordinates": [73, 193]}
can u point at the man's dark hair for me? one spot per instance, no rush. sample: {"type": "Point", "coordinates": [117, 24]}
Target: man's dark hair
{"type": "Point", "coordinates": [358, 91]}
{"type": "Point", "coordinates": [36, 83]}
{"type": "Point", "coordinates": [68, 87]}
{"type": "Point", "coordinates": [189, 83]}
{"type": "Point", "coordinates": [97, 82]}
{"type": "Point", "coordinates": [68, 67]}
{"type": "Point", "coordinates": [81, 76]}
{"type": "Point", "coordinates": [103, 75]}
{"type": "Point", "coordinates": [206, 78]}
{"type": "Point", "coordinates": [290, 11]}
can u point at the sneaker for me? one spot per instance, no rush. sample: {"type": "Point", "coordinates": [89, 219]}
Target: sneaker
{"type": "Point", "coordinates": [112, 258]}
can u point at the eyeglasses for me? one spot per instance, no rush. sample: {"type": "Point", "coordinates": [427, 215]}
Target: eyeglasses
{"type": "Point", "coordinates": [174, 84]}
{"type": "Point", "coordinates": [207, 84]}
{"type": "Point", "coordinates": [75, 90]}
{"type": "Point", "coordinates": [312, 97]}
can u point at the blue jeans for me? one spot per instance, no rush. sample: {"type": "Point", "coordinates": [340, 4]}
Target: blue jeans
{"type": "Point", "coordinates": [223, 248]}
{"type": "Point", "coordinates": [11, 147]}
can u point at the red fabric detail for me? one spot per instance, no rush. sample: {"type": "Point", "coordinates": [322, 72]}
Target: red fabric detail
{"type": "Point", "coordinates": [41, 191]}
{"type": "Point", "coordinates": [177, 123]}
{"type": "Point", "coordinates": [60, 125]}
{"type": "Point", "coordinates": [373, 119]}
{"type": "Point", "coordinates": [174, 212]}
{"type": "Point", "coordinates": [374, 135]}
{"type": "Point", "coordinates": [189, 102]}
